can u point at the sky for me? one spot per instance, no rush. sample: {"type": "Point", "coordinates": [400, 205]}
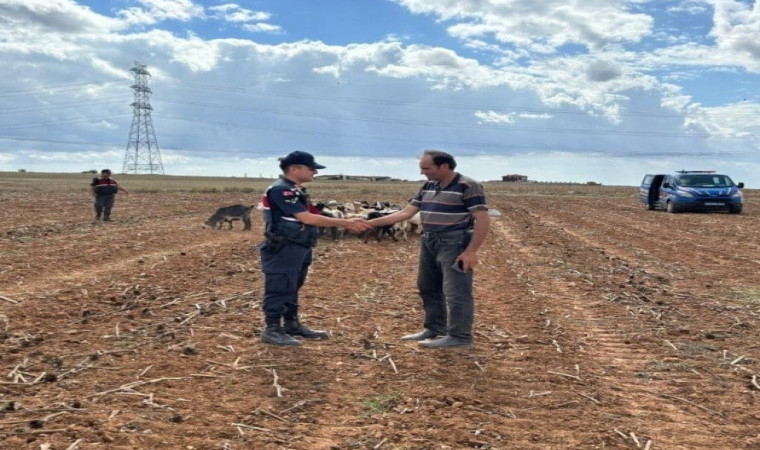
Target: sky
{"type": "Point", "coordinates": [558, 90]}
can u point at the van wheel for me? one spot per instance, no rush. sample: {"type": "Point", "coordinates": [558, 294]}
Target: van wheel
{"type": "Point", "coordinates": [735, 209]}
{"type": "Point", "coordinates": [672, 208]}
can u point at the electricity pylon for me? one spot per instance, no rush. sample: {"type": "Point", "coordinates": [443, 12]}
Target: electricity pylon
{"type": "Point", "coordinates": [142, 155]}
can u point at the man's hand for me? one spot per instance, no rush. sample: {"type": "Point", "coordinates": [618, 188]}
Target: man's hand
{"type": "Point", "coordinates": [468, 259]}
{"type": "Point", "coordinates": [358, 225]}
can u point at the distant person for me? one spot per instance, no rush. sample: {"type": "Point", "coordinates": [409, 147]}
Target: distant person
{"type": "Point", "coordinates": [291, 230]}
{"type": "Point", "coordinates": [455, 222]}
{"type": "Point", "coordinates": [104, 189]}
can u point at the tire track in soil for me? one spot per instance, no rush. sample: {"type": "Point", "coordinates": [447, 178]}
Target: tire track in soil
{"type": "Point", "coordinates": [118, 255]}
{"type": "Point", "coordinates": [539, 288]}
{"type": "Point", "coordinates": [147, 346]}
{"type": "Point", "coordinates": [489, 396]}
{"type": "Point", "coordinates": [502, 387]}
{"type": "Point", "coordinates": [699, 240]}
{"type": "Point", "coordinates": [612, 344]}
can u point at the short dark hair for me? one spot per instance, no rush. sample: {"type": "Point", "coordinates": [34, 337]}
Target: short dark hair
{"type": "Point", "coordinates": [440, 158]}
{"type": "Point", "coordinates": [108, 171]}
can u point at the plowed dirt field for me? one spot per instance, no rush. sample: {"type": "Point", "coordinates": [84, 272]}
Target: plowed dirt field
{"type": "Point", "coordinates": [598, 325]}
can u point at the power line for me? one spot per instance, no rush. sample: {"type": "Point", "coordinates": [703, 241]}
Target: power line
{"type": "Point", "coordinates": [618, 152]}
{"type": "Point", "coordinates": [375, 101]}
{"type": "Point", "coordinates": [369, 119]}
{"type": "Point", "coordinates": [76, 104]}
{"type": "Point", "coordinates": [333, 118]}
{"type": "Point", "coordinates": [321, 115]}
{"type": "Point", "coordinates": [50, 123]}
{"type": "Point", "coordinates": [424, 123]}
{"type": "Point", "coordinates": [57, 88]}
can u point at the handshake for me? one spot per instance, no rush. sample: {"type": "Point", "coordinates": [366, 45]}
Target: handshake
{"type": "Point", "coordinates": [358, 225]}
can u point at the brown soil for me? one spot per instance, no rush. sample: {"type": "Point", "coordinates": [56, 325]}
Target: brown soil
{"type": "Point", "coordinates": [598, 325]}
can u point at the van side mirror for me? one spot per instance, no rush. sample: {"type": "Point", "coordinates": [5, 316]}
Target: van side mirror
{"type": "Point", "coordinates": [667, 185]}
{"type": "Point", "coordinates": [740, 185]}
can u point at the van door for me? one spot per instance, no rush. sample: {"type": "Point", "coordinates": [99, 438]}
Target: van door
{"type": "Point", "coordinates": [667, 191]}
{"type": "Point", "coordinates": [654, 191]}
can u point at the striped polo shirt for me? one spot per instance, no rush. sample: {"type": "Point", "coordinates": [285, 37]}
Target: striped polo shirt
{"type": "Point", "coordinates": [449, 208]}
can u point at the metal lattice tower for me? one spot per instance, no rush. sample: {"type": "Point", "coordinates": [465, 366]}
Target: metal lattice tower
{"type": "Point", "coordinates": [142, 155]}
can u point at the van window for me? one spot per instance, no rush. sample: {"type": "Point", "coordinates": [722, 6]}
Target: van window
{"type": "Point", "coordinates": [705, 180]}
{"type": "Point", "coordinates": [647, 180]}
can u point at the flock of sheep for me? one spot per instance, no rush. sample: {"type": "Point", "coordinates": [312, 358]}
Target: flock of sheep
{"type": "Point", "coordinates": [370, 210]}
{"type": "Point", "coordinates": [332, 208]}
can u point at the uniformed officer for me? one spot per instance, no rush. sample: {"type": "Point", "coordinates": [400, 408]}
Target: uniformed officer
{"type": "Point", "coordinates": [291, 223]}
{"type": "Point", "coordinates": [104, 191]}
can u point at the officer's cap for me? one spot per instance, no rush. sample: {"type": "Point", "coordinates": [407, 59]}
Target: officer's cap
{"type": "Point", "coordinates": [300, 158]}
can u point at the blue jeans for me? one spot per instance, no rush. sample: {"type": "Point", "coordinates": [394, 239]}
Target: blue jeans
{"type": "Point", "coordinates": [446, 293]}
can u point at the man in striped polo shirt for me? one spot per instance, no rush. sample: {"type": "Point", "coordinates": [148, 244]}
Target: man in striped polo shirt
{"type": "Point", "coordinates": [454, 222]}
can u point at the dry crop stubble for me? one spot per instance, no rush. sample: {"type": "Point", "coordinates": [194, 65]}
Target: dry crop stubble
{"type": "Point", "coordinates": [594, 329]}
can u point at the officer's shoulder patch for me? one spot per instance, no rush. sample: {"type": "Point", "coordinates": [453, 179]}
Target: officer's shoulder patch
{"type": "Point", "coordinates": [288, 193]}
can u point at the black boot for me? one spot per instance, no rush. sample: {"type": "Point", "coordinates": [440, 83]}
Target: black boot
{"type": "Point", "coordinates": [295, 328]}
{"type": "Point", "coordinates": [274, 335]}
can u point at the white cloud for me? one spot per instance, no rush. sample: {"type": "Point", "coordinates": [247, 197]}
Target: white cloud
{"type": "Point", "coordinates": [603, 71]}
{"type": "Point", "coordinates": [231, 12]}
{"type": "Point", "coordinates": [740, 120]}
{"type": "Point", "coordinates": [493, 117]}
{"type": "Point", "coordinates": [219, 100]}
{"type": "Point", "coordinates": [693, 7]}
{"type": "Point", "coordinates": [737, 28]}
{"type": "Point", "coordinates": [196, 54]}
{"type": "Point", "coordinates": [262, 28]}
{"type": "Point", "coordinates": [443, 67]}
{"type": "Point", "coordinates": [538, 26]}
{"type": "Point", "coordinates": [154, 11]}
{"type": "Point", "coordinates": [32, 17]}
{"type": "Point", "coordinates": [535, 116]}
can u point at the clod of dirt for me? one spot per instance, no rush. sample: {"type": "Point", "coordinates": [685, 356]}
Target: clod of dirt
{"type": "Point", "coordinates": [53, 361]}
{"type": "Point", "coordinates": [8, 406]}
{"type": "Point", "coordinates": [105, 437]}
{"type": "Point", "coordinates": [189, 351]}
{"type": "Point", "coordinates": [50, 378]}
